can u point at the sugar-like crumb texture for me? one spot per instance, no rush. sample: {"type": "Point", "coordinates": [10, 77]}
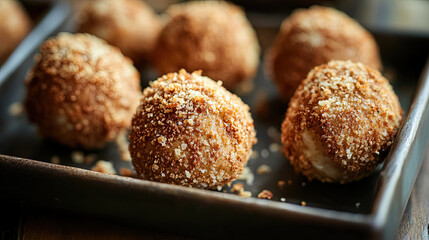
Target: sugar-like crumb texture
{"type": "Point", "coordinates": [340, 121]}
{"type": "Point", "coordinates": [214, 36]}
{"type": "Point", "coordinates": [315, 36]}
{"type": "Point", "coordinates": [130, 25]}
{"type": "Point", "coordinates": [81, 92]}
{"type": "Point", "coordinates": [189, 130]}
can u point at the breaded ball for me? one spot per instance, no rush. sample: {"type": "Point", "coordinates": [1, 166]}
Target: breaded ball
{"type": "Point", "coordinates": [188, 130]}
{"type": "Point", "coordinates": [82, 92]}
{"type": "Point", "coordinates": [131, 25]}
{"type": "Point", "coordinates": [315, 36]}
{"type": "Point", "coordinates": [340, 122]}
{"type": "Point", "coordinates": [14, 26]}
{"type": "Point", "coordinates": [213, 36]}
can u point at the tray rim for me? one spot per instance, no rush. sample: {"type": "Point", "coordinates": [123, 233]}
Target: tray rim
{"type": "Point", "coordinates": [399, 156]}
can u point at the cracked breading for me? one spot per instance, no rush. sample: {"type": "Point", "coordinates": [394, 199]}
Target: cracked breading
{"type": "Point", "coordinates": [190, 131]}
{"type": "Point", "coordinates": [340, 121]}
{"type": "Point", "coordinates": [314, 36]}
{"type": "Point", "coordinates": [214, 36]}
{"type": "Point", "coordinates": [82, 92]}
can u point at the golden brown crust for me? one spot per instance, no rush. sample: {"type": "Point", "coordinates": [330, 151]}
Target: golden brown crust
{"type": "Point", "coordinates": [351, 111]}
{"type": "Point", "coordinates": [130, 25]}
{"type": "Point", "coordinates": [190, 131]}
{"type": "Point", "coordinates": [82, 92]}
{"type": "Point", "coordinates": [213, 36]}
{"type": "Point", "coordinates": [314, 36]}
{"type": "Point", "coordinates": [14, 26]}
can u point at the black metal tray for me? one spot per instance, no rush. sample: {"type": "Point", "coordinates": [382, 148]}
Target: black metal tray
{"type": "Point", "coordinates": [370, 208]}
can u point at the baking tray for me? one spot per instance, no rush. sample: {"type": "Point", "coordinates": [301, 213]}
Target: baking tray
{"type": "Point", "coordinates": [370, 208]}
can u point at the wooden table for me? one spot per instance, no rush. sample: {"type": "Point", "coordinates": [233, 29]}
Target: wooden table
{"type": "Point", "coordinates": [33, 223]}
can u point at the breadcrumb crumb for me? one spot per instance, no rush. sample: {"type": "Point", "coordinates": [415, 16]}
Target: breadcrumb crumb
{"type": "Point", "coordinates": [126, 172]}
{"type": "Point", "coordinates": [104, 167]}
{"type": "Point", "coordinates": [77, 157]}
{"type": "Point", "coordinates": [55, 160]}
{"type": "Point", "coordinates": [16, 109]}
{"type": "Point", "coordinates": [281, 184]}
{"type": "Point", "coordinates": [265, 153]}
{"type": "Point", "coordinates": [238, 187]}
{"type": "Point", "coordinates": [263, 169]}
{"type": "Point", "coordinates": [274, 147]}
{"type": "Point", "coordinates": [245, 194]}
{"type": "Point", "coordinates": [89, 159]}
{"type": "Point", "coordinates": [265, 194]}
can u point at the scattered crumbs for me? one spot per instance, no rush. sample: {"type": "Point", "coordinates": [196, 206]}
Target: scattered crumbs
{"type": "Point", "coordinates": [55, 160]}
{"type": "Point", "coordinates": [357, 204]}
{"type": "Point", "coordinates": [238, 187]}
{"type": "Point", "coordinates": [274, 147]}
{"type": "Point", "coordinates": [89, 159]}
{"type": "Point", "coordinates": [104, 167]}
{"type": "Point", "coordinates": [219, 188]}
{"type": "Point", "coordinates": [126, 172]}
{"type": "Point", "coordinates": [254, 154]}
{"type": "Point", "coordinates": [283, 199]}
{"type": "Point", "coordinates": [16, 109]}
{"type": "Point", "coordinates": [77, 157]}
{"type": "Point", "coordinates": [274, 134]}
{"type": "Point", "coordinates": [289, 182]}
{"type": "Point", "coordinates": [122, 144]}
{"type": "Point", "coordinates": [263, 169]}
{"type": "Point", "coordinates": [265, 194]}
{"type": "Point", "coordinates": [247, 175]}
{"type": "Point", "coordinates": [281, 184]}
{"type": "Point", "coordinates": [303, 184]}
{"type": "Point", "coordinates": [303, 203]}
{"type": "Point", "coordinates": [245, 194]}
{"type": "Point", "coordinates": [264, 153]}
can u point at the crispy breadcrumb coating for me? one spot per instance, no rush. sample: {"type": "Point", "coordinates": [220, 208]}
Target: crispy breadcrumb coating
{"type": "Point", "coordinates": [130, 25]}
{"type": "Point", "coordinates": [314, 36]}
{"type": "Point", "coordinates": [14, 26]}
{"type": "Point", "coordinates": [190, 131]}
{"type": "Point", "coordinates": [82, 92]}
{"type": "Point", "coordinates": [213, 36]}
{"type": "Point", "coordinates": [340, 121]}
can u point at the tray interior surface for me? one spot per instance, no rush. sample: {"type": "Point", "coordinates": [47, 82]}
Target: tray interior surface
{"type": "Point", "coordinates": [403, 58]}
